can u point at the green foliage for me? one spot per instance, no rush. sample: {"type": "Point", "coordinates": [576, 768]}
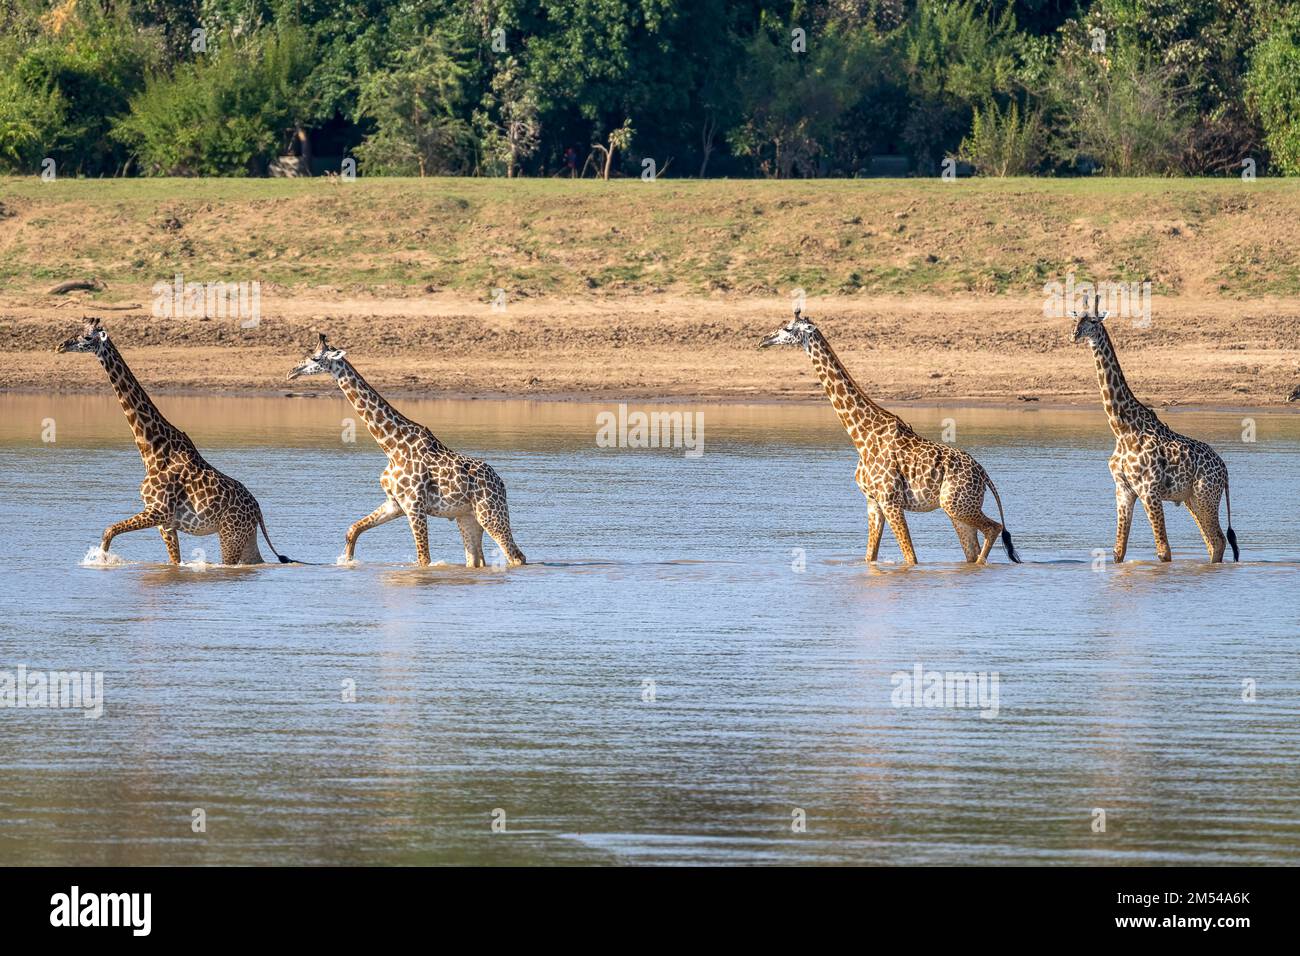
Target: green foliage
{"type": "Point", "coordinates": [490, 87]}
{"type": "Point", "coordinates": [29, 120]}
{"type": "Point", "coordinates": [62, 91]}
{"type": "Point", "coordinates": [1273, 88]}
{"type": "Point", "coordinates": [224, 113]}
{"type": "Point", "coordinates": [415, 104]}
{"type": "Point", "coordinates": [507, 126]}
{"type": "Point", "coordinates": [1003, 143]}
{"type": "Point", "coordinates": [1123, 111]}
{"type": "Point", "coordinates": [792, 101]}
{"type": "Point", "coordinates": [956, 55]}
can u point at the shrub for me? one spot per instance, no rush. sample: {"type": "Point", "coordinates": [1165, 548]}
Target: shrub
{"type": "Point", "coordinates": [224, 114]}
{"type": "Point", "coordinates": [1003, 143]}
{"type": "Point", "coordinates": [61, 94]}
{"type": "Point", "coordinates": [1122, 110]}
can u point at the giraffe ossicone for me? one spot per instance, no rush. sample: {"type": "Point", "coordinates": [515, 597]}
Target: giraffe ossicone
{"type": "Point", "coordinates": [1151, 462]}
{"type": "Point", "coordinates": [181, 491]}
{"type": "Point", "coordinates": [898, 470]}
{"type": "Point", "coordinates": [424, 477]}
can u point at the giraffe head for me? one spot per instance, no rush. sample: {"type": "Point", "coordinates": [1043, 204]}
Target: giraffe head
{"type": "Point", "coordinates": [92, 339]}
{"type": "Point", "coordinates": [798, 331]}
{"type": "Point", "coordinates": [324, 361]}
{"type": "Point", "coordinates": [1089, 325]}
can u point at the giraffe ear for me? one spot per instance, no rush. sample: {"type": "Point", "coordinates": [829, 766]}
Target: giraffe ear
{"type": "Point", "coordinates": [334, 354]}
{"type": "Point", "coordinates": [1101, 316]}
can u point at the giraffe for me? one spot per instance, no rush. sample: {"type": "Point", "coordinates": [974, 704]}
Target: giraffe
{"type": "Point", "coordinates": [898, 470]}
{"type": "Point", "coordinates": [181, 491]}
{"type": "Point", "coordinates": [424, 477]}
{"type": "Point", "coordinates": [1152, 463]}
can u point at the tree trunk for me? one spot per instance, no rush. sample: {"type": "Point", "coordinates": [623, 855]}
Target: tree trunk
{"type": "Point", "coordinates": [304, 147]}
{"type": "Point", "coordinates": [706, 142]}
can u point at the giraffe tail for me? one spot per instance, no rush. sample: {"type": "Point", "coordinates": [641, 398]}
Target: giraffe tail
{"type": "Point", "coordinates": [262, 524]}
{"type": "Point", "coordinates": [1006, 535]}
{"type": "Point", "coordinates": [1232, 535]}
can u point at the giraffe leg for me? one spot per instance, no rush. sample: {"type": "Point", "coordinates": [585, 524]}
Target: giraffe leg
{"type": "Point", "coordinates": [173, 542]}
{"type": "Point", "coordinates": [420, 531]}
{"type": "Point", "coordinates": [495, 520]}
{"type": "Point", "coordinates": [1206, 516]}
{"type": "Point", "coordinates": [968, 537]}
{"type": "Point", "coordinates": [991, 530]}
{"type": "Point", "coordinates": [875, 526]}
{"type": "Point", "coordinates": [898, 525]}
{"type": "Point", "coordinates": [385, 513]}
{"type": "Point", "coordinates": [145, 519]}
{"type": "Point", "coordinates": [1124, 499]}
{"type": "Point", "coordinates": [238, 541]}
{"type": "Point", "coordinates": [471, 532]}
{"type": "Point", "coordinates": [1155, 509]}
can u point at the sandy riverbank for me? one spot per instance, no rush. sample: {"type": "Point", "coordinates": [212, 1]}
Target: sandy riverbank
{"type": "Point", "coordinates": [913, 349]}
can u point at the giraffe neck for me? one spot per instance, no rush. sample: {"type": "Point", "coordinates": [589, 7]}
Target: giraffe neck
{"type": "Point", "coordinates": [386, 424]}
{"type": "Point", "coordinates": [858, 414]}
{"type": "Point", "coordinates": [1123, 410]}
{"type": "Point", "coordinates": [154, 435]}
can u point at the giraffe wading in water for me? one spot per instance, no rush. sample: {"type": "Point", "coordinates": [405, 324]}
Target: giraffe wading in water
{"type": "Point", "coordinates": [424, 477]}
{"type": "Point", "coordinates": [898, 470]}
{"type": "Point", "coordinates": [1152, 463]}
{"type": "Point", "coordinates": [181, 491]}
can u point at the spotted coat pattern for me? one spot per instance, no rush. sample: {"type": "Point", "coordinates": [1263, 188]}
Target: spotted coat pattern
{"type": "Point", "coordinates": [424, 477]}
{"type": "Point", "coordinates": [898, 470]}
{"type": "Point", "coordinates": [181, 491]}
{"type": "Point", "coordinates": [1152, 463]}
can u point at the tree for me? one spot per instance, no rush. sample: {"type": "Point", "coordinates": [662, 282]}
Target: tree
{"type": "Point", "coordinates": [792, 101]}
{"type": "Point", "coordinates": [955, 56]}
{"type": "Point", "coordinates": [416, 104]}
{"type": "Point", "coordinates": [517, 131]}
{"type": "Point", "coordinates": [1122, 110]}
{"type": "Point", "coordinates": [65, 88]}
{"type": "Point", "coordinates": [619, 140]}
{"type": "Point", "coordinates": [1273, 91]}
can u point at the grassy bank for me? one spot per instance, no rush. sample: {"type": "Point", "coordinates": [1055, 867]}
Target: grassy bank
{"type": "Point", "coordinates": [403, 237]}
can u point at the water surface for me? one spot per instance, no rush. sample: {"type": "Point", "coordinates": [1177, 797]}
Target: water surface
{"type": "Point", "coordinates": [730, 588]}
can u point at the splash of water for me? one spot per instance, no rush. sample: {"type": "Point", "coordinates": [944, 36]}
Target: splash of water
{"type": "Point", "coordinates": [97, 557]}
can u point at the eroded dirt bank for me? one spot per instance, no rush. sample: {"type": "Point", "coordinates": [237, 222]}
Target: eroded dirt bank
{"type": "Point", "coordinates": [915, 348]}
